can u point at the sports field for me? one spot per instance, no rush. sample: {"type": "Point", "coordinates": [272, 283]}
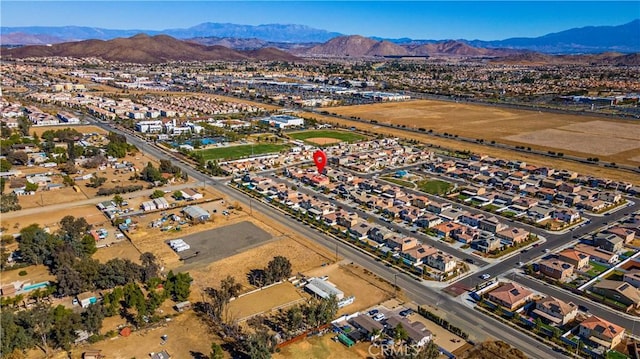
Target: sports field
{"type": "Point", "coordinates": [235, 152]}
{"type": "Point", "coordinates": [613, 140]}
{"type": "Point", "coordinates": [325, 137]}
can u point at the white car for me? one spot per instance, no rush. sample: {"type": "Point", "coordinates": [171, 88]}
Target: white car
{"type": "Point", "coordinates": [378, 317]}
{"type": "Point", "coordinates": [485, 276]}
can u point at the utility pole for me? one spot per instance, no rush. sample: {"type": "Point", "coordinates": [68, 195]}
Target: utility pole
{"type": "Point", "coordinates": [336, 252]}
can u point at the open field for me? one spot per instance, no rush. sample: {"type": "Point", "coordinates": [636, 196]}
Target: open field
{"type": "Point", "coordinates": [52, 218]}
{"type": "Point", "coordinates": [435, 187]}
{"type": "Point", "coordinates": [610, 173]}
{"type": "Point", "coordinates": [45, 198]}
{"type": "Point", "coordinates": [187, 336]}
{"type": "Point", "coordinates": [577, 135]}
{"type": "Point", "coordinates": [80, 128]}
{"type": "Point", "coordinates": [323, 347]}
{"type": "Point", "coordinates": [234, 152]}
{"type": "Point", "coordinates": [238, 266]}
{"type": "Point", "coordinates": [265, 300]}
{"type": "Point", "coordinates": [312, 136]}
{"type": "Point", "coordinates": [123, 250]}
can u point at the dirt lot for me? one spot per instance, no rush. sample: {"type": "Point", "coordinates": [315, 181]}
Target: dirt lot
{"type": "Point", "coordinates": [323, 140]}
{"type": "Point", "coordinates": [352, 280]}
{"type": "Point", "coordinates": [281, 295]}
{"type": "Point", "coordinates": [123, 249]}
{"type": "Point", "coordinates": [301, 256]}
{"type": "Point", "coordinates": [35, 274]}
{"type": "Point", "coordinates": [80, 128]}
{"type": "Point", "coordinates": [491, 151]}
{"type": "Point", "coordinates": [442, 337]}
{"type": "Point", "coordinates": [52, 218]}
{"type": "Point", "coordinates": [322, 347]}
{"type": "Point", "coordinates": [187, 334]}
{"type": "Point", "coordinates": [45, 198]}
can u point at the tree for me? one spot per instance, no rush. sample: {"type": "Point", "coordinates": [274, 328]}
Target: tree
{"type": "Point", "coordinates": [294, 318]}
{"type": "Point", "coordinates": [216, 351]}
{"type": "Point", "coordinates": [30, 187]}
{"type": "Point", "coordinates": [24, 125]}
{"type": "Point", "coordinates": [157, 194]}
{"type": "Point", "coordinates": [63, 331]}
{"type": "Point", "coordinates": [259, 345]}
{"type": "Point", "coordinates": [150, 266]}
{"type": "Point", "coordinates": [95, 181]}
{"type": "Point", "coordinates": [428, 351]}
{"type": "Point", "coordinates": [18, 158]}
{"type": "Point", "coordinates": [177, 194]}
{"type": "Point", "coordinates": [9, 202]}
{"type": "Point", "coordinates": [73, 229]}
{"type": "Point", "coordinates": [92, 318]}
{"type": "Point", "coordinates": [4, 165]}
{"type": "Point", "coordinates": [118, 200]}
{"type": "Point", "coordinates": [13, 336]}
{"type": "Point", "coordinates": [399, 333]}
{"type": "Point", "coordinates": [179, 285]}
{"type": "Point", "coordinates": [277, 269]}
{"type": "Point", "coordinates": [151, 174]}
{"type": "Point", "coordinates": [36, 245]}
{"type": "Point", "coordinates": [70, 282]}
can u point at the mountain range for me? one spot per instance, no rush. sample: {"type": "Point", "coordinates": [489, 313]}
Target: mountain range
{"type": "Point", "coordinates": [592, 39]}
{"type": "Point", "coordinates": [143, 48]}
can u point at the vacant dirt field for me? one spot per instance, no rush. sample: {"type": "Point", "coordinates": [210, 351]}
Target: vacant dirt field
{"type": "Point", "coordinates": [123, 249]}
{"type": "Point", "coordinates": [80, 128]}
{"type": "Point", "coordinates": [323, 140]}
{"type": "Point", "coordinates": [62, 195]}
{"type": "Point", "coordinates": [506, 125]}
{"type": "Point", "coordinates": [52, 218]}
{"type": "Point", "coordinates": [496, 152]}
{"type": "Point", "coordinates": [188, 337]}
{"type": "Point", "coordinates": [238, 266]}
{"type": "Point", "coordinates": [265, 300]}
{"type": "Point", "coordinates": [352, 280]}
{"type": "Point", "coordinates": [323, 347]}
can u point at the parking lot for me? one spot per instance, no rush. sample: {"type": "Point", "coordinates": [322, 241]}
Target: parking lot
{"type": "Point", "coordinates": [221, 242]}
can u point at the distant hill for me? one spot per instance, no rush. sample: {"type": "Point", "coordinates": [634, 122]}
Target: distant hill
{"type": "Point", "coordinates": [269, 32]}
{"type": "Point", "coordinates": [607, 58]}
{"type": "Point", "coordinates": [20, 38]}
{"type": "Point", "coordinates": [590, 39]}
{"type": "Point", "coordinates": [358, 46]}
{"type": "Point", "coordinates": [146, 49]}
{"type": "Point", "coordinates": [247, 44]}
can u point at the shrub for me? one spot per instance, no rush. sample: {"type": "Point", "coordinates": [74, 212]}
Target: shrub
{"type": "Point", "coordinates": [22, 273]}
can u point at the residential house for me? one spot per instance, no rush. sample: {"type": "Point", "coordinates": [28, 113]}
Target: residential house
{"type": "Point", "coordinates": [190, 194]}
{"type": "Point", "coordinates": [402, 243]}
{"type": "Point", "coordinates": [86, 299]}
{"type": "Point", "coordinates": [578, 259]}
{"type": "Point", "coordinates": [491, 224]}
{"type": "Point", "coordinates": [556, 269]}
{"type": "Point", "coordinates": [611, 197]}
{"type": "Point", "coordinates": [609, 242]}
{"type": "Point", "coordinates": [555, 310]}
{"type": "Point", "coordinates": [442, 261]}
{"type": "Point", "coordinates": [428, 221]}
{"type": "Point", "coordinates": [368, 326]}
{"type": "Point", "coordinates": [601, 332]}
{"type": "Point", "coordinates": [417, 332]}
{"type": "Point", "coordinates": [447, 228]}
{"type": "Point", "coordinates": [632, 277]}
{"type": "Point", "coordinates": [487, 244]}
{"type": "Point", "coordinates": [510, 295]}
{"type": "Point", "coordinates": [566, 215]}
{"type": "Point", "coordinates": [513, 235]}
{"type": "Point", "coordinates": [621, 292]}
{"type": "Point", "coordinates": [597, 254]}
{"type": "Point", "coordinates": [360, 231]}
{"type": "Point", "coordinates": [416, 256]}
{"type": "Point", "coordinates": [380, 234]}
{"type": "Point", "coordinates": [593, 205]}
{"type": "Point", "coordinates": [347, 219]}
{"type": "Point", "coordinates": [626, 234]}
{"type": "Point", "coordinates": [472, 220]}
{"type": "Point", "coordinates": [420, 201]}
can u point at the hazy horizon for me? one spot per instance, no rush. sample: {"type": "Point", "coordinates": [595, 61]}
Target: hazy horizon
{"type": "Point", "coordinates": [471, 20]}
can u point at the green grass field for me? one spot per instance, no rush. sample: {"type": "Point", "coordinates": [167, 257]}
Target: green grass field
{"type": "Point", "coordinates": [235, 152]}
{"type": "Point", "coordinates": [339, 135]}
{"type": "Point", "coordinates": [435, 187]}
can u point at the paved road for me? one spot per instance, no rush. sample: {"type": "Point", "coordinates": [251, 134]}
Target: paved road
{"type": "Point", "coordinates": [478, 326]}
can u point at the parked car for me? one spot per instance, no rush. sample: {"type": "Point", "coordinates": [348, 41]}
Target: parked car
{"type": "Point", "coordinates": [373, 312]}
{"type": "Point", "coordinates": [378, 317]}
{"type": "Point", "coordinates": [406, 312]}
{"type": "Point", "coordinates": [485, 276]}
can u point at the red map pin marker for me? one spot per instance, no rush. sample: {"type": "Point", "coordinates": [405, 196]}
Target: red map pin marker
{"type": "Point", "coordinates": [320, 159]}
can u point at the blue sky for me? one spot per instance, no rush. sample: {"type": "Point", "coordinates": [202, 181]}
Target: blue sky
{"type": "Point", "coordinates": [484, 20]}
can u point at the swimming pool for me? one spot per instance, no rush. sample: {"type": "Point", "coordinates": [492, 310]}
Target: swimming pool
{"type": "Point", "coordinates": [31, 287]}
